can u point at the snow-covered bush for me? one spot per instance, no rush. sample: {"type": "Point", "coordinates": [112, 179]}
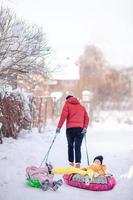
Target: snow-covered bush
{"type": "Point", "coordinates": [15, 112]}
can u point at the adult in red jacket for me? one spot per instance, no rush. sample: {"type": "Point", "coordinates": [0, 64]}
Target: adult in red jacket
{"type": "Point", "coordinates": [76, 127]}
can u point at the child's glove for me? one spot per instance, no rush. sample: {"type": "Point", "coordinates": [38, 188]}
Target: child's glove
{"type": "Point", "coordinates": [58, 130]}
{"type": "Point", "coordinates": [50, 167]}
{"type": "Point", "coordinates": [84, 131]}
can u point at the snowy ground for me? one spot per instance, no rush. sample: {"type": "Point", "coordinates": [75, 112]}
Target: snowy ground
{"type": "Point", "coordinates": [114, 141]}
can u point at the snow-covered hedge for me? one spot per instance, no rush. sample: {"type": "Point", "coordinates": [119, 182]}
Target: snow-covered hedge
{"type": "Point", "coordinates": [15, 112]}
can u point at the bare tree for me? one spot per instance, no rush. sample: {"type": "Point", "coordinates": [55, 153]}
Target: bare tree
{"type": "Point", "coordinates": [92, 65]}
{"type": "Point", "coordinates": [105, 81]}
{"type": "Point", "coordinates": [23, 48]}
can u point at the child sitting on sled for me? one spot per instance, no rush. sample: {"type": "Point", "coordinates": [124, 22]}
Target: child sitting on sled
{"type": "Point", "coordinates": [94, 173]}
{"type": "Point", "coordinates": [88, 173]}
{"type": "Point", "coordinates": [96, 168]}
{"type": "Point", "coordinates": [44, 176]}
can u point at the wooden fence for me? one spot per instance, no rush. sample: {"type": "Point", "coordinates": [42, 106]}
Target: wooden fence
{"type": "Point", "coordinates": [42, 109]}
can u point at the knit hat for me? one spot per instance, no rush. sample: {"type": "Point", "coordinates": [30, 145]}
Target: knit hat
{"type": "Point", "coordinates": [100, 158]}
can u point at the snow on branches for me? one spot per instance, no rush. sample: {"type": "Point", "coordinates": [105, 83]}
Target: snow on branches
{"type": "Point", "coordinates": [23, 47]}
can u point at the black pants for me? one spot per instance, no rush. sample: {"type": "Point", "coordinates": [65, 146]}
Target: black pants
{"type": "Point", "coordinates": [74, 139]}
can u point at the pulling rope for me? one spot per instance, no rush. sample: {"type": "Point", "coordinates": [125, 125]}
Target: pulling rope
{"type": "Point", "coordinates": [47, 154]}
{"type": "Point", "coordinates": [86, 149]}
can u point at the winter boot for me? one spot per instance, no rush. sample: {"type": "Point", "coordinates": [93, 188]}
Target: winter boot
{"type": "Point", "coordinates": [45, 185]}
{"type": "Point", "coordinates": [77, 165]}
{"type": "Point", "coordinates": [57, 184]}
{"type": "Point", "coordinates": [71, 164]}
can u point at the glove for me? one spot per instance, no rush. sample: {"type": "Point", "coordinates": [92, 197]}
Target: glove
{"type": "Point", "coordinates": [84, 131]}
{"type": "Point", "coordinates": [49, 166]}
{"type": "Point", "coordinates": [58, 130]}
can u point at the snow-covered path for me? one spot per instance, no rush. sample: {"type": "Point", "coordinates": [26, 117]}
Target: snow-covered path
{"type": "Point", "coordinates": [114, 141]}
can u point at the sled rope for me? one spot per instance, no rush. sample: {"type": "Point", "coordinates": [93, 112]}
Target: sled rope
{"type": "Point", "coordinates": [86, 149]}
{"type": "Point", "coordinates": [47, 154]}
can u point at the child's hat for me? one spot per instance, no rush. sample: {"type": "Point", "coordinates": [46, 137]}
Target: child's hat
{"type": "Point", "coordinates": [99, 158]}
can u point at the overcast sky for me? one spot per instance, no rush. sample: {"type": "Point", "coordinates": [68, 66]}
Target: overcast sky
{"type": "Point", "coordinates": [72, 24]}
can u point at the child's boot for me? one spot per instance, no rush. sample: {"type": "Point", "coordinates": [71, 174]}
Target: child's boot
{"type": "Point", "coordinates": [57, 184]}
{"type": "Point", "coordinates": [45, 185]}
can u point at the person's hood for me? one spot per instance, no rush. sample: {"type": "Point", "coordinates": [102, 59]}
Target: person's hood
{"type": "Point", "coordinates": [73, 100]}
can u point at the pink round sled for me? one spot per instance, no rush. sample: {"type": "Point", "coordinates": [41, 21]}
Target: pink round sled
{"type": "Point", "coordinates": [92, 186]}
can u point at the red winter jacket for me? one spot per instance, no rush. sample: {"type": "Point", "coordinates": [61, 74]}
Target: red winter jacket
{"type": "Point", "coordinates": [74, 114]}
